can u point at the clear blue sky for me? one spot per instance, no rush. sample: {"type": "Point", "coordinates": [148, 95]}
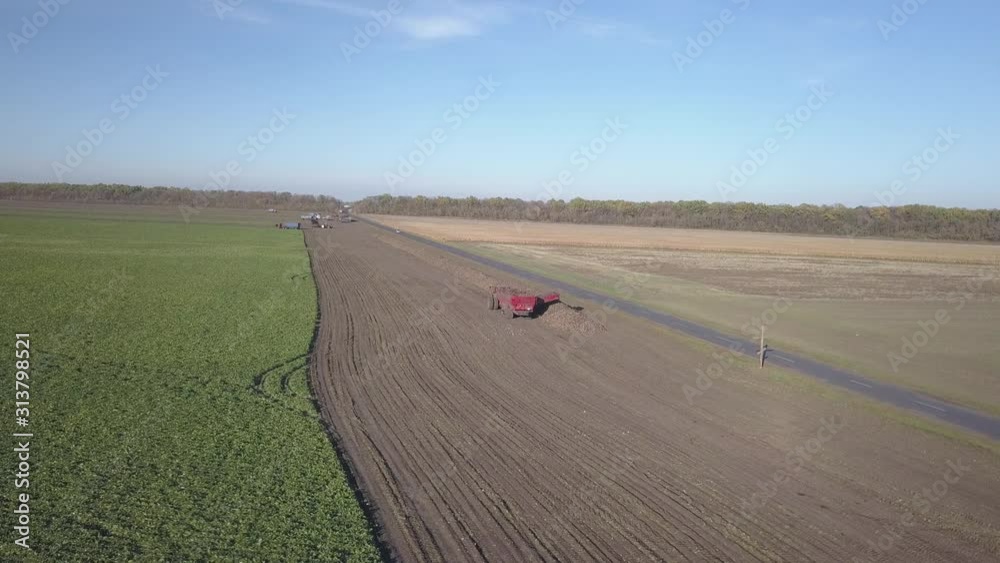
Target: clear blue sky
{"type": "Point", "coordinates": [557, 80]}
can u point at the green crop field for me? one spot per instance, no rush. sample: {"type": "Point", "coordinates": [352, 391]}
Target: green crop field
{"type": "Point", "coordinates": [168, 395]}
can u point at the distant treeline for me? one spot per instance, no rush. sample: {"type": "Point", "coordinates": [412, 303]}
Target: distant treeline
{"type": "Point", "coordinates": [905, 222]}
{"type": "Point", "coordinates": [182, 197]}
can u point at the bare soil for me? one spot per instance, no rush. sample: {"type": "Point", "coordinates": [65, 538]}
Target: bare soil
{"type": "Point", "coordinates": [565, 234]}
{"type": "Point", "coordinates": [850, 312]}
{"type": "Point", "coordinates": [481, 438]}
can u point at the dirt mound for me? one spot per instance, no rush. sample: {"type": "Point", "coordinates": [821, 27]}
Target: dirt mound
{"type": "Point", "coordinates": [572, 319]}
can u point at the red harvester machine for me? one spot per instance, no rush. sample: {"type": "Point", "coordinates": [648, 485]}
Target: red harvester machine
{"type": "Point", "coordinates": [518, 304]}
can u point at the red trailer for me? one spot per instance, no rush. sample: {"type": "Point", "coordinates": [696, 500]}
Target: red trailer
{"type": "Point", "coordinates": [516, 302]}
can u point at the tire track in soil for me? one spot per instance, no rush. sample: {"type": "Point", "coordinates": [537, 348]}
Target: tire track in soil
{"type": "Point", "coordinates": [475, 442]}
{"type": "Point", "coordinates": [482, 283]}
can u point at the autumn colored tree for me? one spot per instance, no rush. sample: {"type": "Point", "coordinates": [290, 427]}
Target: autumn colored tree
{"type": "Point", "coordinates": [905, 222]}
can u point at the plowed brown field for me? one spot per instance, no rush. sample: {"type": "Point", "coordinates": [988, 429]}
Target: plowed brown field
{"type": "Point", "coordinates": [481, 438]}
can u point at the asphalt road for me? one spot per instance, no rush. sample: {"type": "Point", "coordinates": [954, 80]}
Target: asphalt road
{"type": "Point", "coordinates": [887, 393]}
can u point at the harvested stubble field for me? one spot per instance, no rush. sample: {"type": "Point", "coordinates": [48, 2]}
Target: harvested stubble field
{"type": "Point", "coordinates": [849, 312]}
{"type": "Point", "coordinates": [565, 234]}
{"type": "Point", "coordinates": [842, 309]}
{"type": "Point", "coordinates": [481, 438]}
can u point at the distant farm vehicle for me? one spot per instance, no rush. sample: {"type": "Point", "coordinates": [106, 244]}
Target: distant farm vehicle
{"type": "Point", "coordinates": [344, 214]}
{"type": "Point", "coordinates": [517, 303]}
{"type": "Point", "coordinates": [289, 225]}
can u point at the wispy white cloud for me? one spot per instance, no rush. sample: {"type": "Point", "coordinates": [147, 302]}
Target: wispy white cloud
{"type": "Point", "coordinates": [446, 19]}
{"type": "Point", "coordinates": [430, 28]}
{"type": "Point", "coordinates": [599, 30]}
{"type": "Point", "coordinates": [608, 29]}
{"type": "Point", "coordinates": [428, 20]}
{"type": "Point", "coordinates": [247, 16]}
{"type": "Point", "coordinates": [438, 20]}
